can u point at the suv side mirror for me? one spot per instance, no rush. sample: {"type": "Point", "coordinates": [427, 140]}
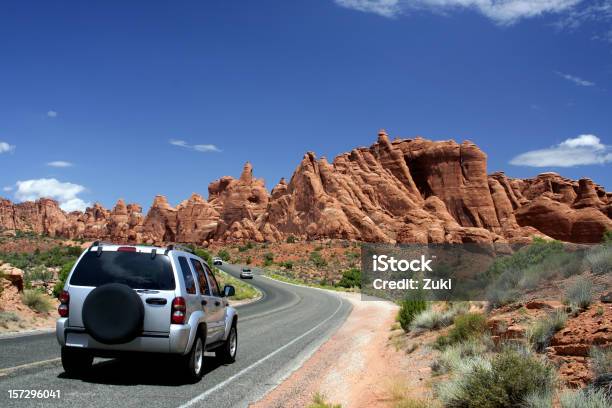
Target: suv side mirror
{"type": "Point", "coordinates": [229, 290]}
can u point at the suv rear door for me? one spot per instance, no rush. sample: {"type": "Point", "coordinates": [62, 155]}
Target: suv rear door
{"type": "Point", "coordinates": [150, 275]}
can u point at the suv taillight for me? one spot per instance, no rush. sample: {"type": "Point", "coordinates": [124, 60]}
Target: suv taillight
{"type": "Point", "coordinates": [178, 311]}
{"type": "Point", "coordinates": [63, 308]}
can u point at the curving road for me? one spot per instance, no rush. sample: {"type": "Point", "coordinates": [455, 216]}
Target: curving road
{"type": "Point", "coordinates": [275, 335]}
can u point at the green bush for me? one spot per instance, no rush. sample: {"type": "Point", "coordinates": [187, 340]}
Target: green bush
{"type": "Point", "coordinates": [467, 326]}
{"type": "Point", "coordinates": [351, 278]}
{"type": "Point", "coordinates": [62, 276]}
{"type": "Point", "coordinates": [54, 257]}
{"type": "Point", "coordinates": [36, 300]}
{"type": "Point", "coordinates": [287, 264]}
{"type": "Point", "coordinates": [580, 293]}
{"type": "Point", "coordinates": [584, 399]}
{"type": "Point", "coordinates": [511, 377]}
{"type": "Point", "coordinates": [268, 258]}
{"type": "Point", "coordinates": [409, 309]}
{"type": "Point", "coordinates": [248, 260]}
{"type": "Point", "coordinates": [317, 259]}
{"type": "Point", "coordinates": [224, 255]}
{"type": "Point", "coordinates": [538, 400]}
{"type": "Point", "coordinates": [601, 360]}
{"type": "Point", "coordinates": [607, 237]}
{"type": "Point", "coordinates": [291, 239]}
{"type": "Point", "coordinates": [540, 333]}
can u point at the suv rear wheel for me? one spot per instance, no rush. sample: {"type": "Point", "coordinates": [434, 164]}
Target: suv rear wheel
{"type": "Point", "coordinates": [193, 362]}
{"type": "Point", "coordinates": [76, 361]}
{"type": "Point", "coordinates": [227, 352]}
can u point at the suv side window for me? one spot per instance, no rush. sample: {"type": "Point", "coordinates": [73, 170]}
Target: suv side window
{"type": "Point", "coordinates": [197, 265]}
{"type": "Point", "coordinates": [187, 275]}
{"type": "Point", "coordinates": [213, 282]}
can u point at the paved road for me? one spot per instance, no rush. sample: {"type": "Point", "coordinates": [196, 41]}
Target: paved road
{"type": "Point", "coordinates": [276, 334]}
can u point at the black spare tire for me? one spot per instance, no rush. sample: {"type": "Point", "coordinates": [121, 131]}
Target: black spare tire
{"type": "Point", "coordinates": [113, 314]}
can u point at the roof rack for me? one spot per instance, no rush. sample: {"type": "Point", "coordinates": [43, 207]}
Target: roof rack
{"type": "Point", "coordinates": [178, 247]}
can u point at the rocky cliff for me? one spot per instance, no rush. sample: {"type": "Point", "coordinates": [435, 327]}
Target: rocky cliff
{"type": "Point", "coordinates": [405, 190]}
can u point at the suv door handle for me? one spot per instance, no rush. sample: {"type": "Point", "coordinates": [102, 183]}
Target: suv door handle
{"type": "Point", "coordinates": [156, 301]}
{"type": "Point", "coordinates": [204, 303]}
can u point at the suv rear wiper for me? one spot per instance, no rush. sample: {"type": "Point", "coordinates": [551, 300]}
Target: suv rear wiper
{"type": "Point", "coordinates": [147, 291]}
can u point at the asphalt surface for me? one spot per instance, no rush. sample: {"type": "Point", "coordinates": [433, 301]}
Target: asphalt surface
{"type": "Point", "coordinates": [275, 335]}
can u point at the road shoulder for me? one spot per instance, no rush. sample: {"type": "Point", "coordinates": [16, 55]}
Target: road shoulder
{"type": "Point", "coordinates": [347, 369]}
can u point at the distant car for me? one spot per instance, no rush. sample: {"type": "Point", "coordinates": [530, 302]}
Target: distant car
{"type": "Point", "coordinates": [217, 261]}
{"type": "Point", "coordinates": [246, 273]}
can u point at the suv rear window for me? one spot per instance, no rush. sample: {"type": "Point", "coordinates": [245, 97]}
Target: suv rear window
{"type": "Point", "coordinates": [137, 270]}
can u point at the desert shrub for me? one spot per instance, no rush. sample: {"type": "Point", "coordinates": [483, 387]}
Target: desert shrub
{"type": "Point", "coordinates": [291, 239]}
{"type": "Point", "coordinates": [36, 300]}
{"type": "Point", "coordinates": [602, 360]}
{"type": "Point", "coordinates": [224, 255]}
{"type": "Point", "coordinates": [512, 376]}
{"type": "Point", "coordinates": [248, 260]}
{"type": "Point", "coordinates": [38, 272]}
{"type": "Point", "coordinates": [600, 259]}
{"type": "Point", "coordinates": [434, 319]}
{"type": "Point", "coordinates": [317, 259]}
{"type": "Point", "coordinates": [587, 398]}
{"type": "Point", "coordinates": [458, 356]}
{"type": "Point", "coordinates": [409, 309]}
{"type": "Point", "coordinates": [287, 264]}
{"type": "Point", "coordinates": [62, 276]}
{"type": "Point", "coordinates": [268, 258]}
{"type": "Point", "coordinates": [466, 326]}
{"type": "Point", "coordinates": [351, 278]}
{"type": "Point", "coordinates": [319, 402]}
{"type": "Point", "coordinates": [504, 289]}
{"type": "Point", "coordinates": [538, 400]}
{"type": "Point", "coordinates": [573, 265]}
{"type": "Point", "coordinates": [540, 333]}
{"type": "Point", "coordinates": [607, 237]}
{"type": "Point", "coordinates": [7, 317]}
{"type": "Point", "coordinates": [580, 293]}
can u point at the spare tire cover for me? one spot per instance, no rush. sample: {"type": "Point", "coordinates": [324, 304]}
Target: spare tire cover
{"type": "Point", "coordinates": [113, 314]}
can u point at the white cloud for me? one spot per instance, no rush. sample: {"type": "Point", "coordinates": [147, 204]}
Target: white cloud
{"type": "Point", "coordinates": [204, 148]}
{"type": "Point", "coordinates": [386, 8]}
{"type": "Point", "coordinates": [577, 80]}
{"type": "Point", "coordinates": [578, 151]}
{"type": "Point", "coordinates": [503, 12]}
{"type": "Point", "coordinates": [52, 114]}
{"type": "Point", "coordinates": [7, 189]}
{"type": "Point", "coordinates": [5, 147]}
{"type": "Point", "coordinates": [59, 163]}
{"type": "Point", "coordinates": [65, 193]}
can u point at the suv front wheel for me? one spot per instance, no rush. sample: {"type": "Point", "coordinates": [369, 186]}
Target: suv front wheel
{"type": "Point", "coordinates": [76, 362]}
{"type": "Point", "coordinates": [227, 352]}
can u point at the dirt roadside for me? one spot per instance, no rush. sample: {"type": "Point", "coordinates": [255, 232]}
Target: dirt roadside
{"type": "Point", "coordinates": [356, 367]}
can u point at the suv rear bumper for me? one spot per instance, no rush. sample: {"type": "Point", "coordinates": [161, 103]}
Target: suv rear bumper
{"type": "Point", "coordinates": [174, 342]}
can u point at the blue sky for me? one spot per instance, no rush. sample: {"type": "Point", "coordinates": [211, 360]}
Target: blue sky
{"type": "Point", "coordinates": [92, 95]}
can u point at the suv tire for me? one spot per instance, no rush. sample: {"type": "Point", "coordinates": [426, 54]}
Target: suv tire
{"type": "Point", "coordinates": [193, 362]}
{"type": "Point", "coordinates": [227, 352]}
{"type": "Point", "coordinates": [76, 362]}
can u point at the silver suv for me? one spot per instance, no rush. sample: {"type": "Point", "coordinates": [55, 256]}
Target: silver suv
{"type": "Point", "coordinates": [122, 300]}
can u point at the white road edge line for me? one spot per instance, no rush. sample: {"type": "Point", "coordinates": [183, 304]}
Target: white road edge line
{"type": "Point", "coordinates": [258, 362]}
{"type": "Point", "coordinates": [6, 371]}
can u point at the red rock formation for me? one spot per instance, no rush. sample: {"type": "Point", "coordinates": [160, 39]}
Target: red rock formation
{"type": "Point", "coordinates": [405, 190]}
